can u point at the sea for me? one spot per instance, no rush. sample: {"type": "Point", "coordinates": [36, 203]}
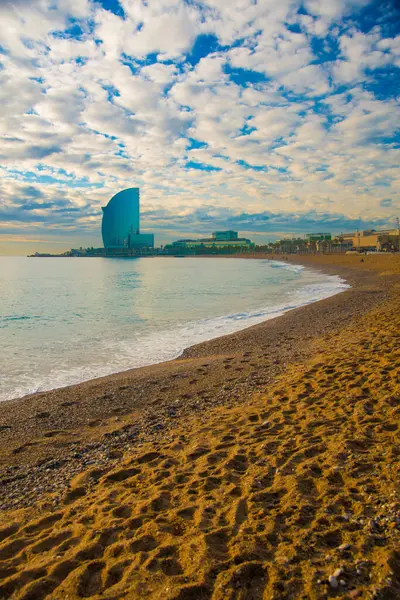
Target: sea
{"type": "Point", "coordinates": [68, 320]}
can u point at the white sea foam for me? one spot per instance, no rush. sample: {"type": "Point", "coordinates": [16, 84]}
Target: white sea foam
{"type": "Point", "coordinates": [277, 264]}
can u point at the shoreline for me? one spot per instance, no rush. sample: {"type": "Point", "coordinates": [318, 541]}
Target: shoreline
{"type": "Point", "coordinates": [96, 415]}
{"type": "Point", "coordinates": [269, 314]}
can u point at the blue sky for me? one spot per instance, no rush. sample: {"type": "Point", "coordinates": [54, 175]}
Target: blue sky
{"type": "Point", "coordinates": [269, 117]}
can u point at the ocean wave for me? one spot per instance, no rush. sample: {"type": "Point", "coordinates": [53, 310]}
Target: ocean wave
{"type": "Point", "coordinates": [6, 318]}
{"type": "Point", "coordinates": [277, 264]}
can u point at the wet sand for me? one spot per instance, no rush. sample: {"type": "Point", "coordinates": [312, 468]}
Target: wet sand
{"type": "Point", "coordinates": [258, 465]}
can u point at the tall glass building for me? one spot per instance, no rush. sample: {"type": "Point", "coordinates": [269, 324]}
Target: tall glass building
{"type": "Point", "coordinates": [121, 222]}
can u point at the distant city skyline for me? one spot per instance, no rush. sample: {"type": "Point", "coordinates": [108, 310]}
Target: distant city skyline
{"type": "Point", "coordinates": [271, 118]}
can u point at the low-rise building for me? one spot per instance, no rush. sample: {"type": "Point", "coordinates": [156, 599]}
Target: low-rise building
{"type": "Point", "coordinates": [318, 237]}
{"type": "Point", "coordinates": [368, 240]}
{"type": "Point", "coordinates": [221, 241]}
{"type": "Point", "coordinates": [372, 240]}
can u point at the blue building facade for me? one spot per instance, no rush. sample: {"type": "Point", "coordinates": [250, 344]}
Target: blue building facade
{"type": "Point", "coordinates": [121, 222]}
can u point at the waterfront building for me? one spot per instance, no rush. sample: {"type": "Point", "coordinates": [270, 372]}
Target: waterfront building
{"type": "Point", "coordinates": [318, 237]}
{"type": "Point", "coordinates": [369, 240]}
{"type": "Point", "coordinates": [221, 241]}
{"type": "Point", "coordinates": [372, 240]}
{"type": "Point", "coordinates": [121, 222]}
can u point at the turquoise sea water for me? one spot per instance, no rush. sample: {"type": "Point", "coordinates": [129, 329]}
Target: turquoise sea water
{"type": "Point", "coordinates": [63, 321]}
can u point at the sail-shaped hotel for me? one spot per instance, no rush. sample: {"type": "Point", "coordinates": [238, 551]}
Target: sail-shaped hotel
{"type": "Point", "coordinates": [121, 222]}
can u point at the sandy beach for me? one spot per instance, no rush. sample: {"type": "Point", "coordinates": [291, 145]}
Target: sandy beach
{"type": "Point", "coordinates": [260, 465]}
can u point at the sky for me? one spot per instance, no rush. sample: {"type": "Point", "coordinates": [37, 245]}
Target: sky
{"type": "Point", "coordinates": [271, 117]}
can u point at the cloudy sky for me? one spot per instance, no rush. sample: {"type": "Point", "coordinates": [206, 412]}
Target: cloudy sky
{"type": "Point", "coordinates": [271, 117]}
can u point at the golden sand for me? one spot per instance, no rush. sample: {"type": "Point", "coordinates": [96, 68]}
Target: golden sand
{"type": "Point", "coordinates": [292, 495]}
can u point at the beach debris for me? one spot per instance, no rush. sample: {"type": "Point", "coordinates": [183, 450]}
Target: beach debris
{"type": "Point", "coordinates": [55, 464]}
{"type": "Point", "coordinates": [333, 582]}
{"type": "Point", "coordinates": [374, 525]}
{"type": "Point", "coordinates": [334, 578]}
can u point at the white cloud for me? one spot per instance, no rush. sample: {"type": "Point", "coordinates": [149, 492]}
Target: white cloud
{"type": "Point", "coordinates": [333, 9]}
{"type": "Point", "coordinates": [284, 53]}
{"type": "Point", "coordinates": [360, 52]}
{"type": "Point", "coordinates": [23, 20]}
{"type": "Point", "coordinates": [166, 28]}
{"type": "Point", "coordinates": [312, 80]}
